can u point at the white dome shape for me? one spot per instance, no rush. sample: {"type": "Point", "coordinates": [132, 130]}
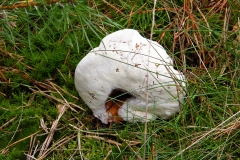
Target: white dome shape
{"type": "Point", "coordinates": [112, 79]}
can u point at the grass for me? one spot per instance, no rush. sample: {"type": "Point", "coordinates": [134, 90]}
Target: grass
{"type": "Point", "coordinates": [41, 45]}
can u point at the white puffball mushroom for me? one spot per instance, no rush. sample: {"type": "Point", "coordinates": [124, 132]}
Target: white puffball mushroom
{"type": "Point", "coordinates": [112, 79]}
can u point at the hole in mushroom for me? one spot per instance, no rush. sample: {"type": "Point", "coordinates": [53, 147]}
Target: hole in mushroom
{"type": "Point", "coordinates": [115, 100]}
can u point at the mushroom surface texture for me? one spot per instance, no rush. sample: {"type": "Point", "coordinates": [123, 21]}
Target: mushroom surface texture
{"type": "Point", "coordinates": [114, 77]}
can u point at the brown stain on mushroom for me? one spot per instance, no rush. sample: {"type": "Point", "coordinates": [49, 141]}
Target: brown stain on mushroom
{"type": "Point", "coordinates": [114, 102]}
{"type": "Point", "coordinates": [137, 65]}
{"type": "Point", "coordinates": [92, 95]}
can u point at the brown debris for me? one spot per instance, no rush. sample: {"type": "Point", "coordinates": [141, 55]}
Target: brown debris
{"type": "Point", "coordinates": [27, 3]}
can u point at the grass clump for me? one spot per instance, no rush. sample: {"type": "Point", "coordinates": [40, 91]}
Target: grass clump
{"type": "Point", "coordinates": [41, 115]}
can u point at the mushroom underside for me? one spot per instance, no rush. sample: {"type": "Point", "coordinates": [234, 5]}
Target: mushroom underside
{"type": "Point", "coordinates": [115, 100]}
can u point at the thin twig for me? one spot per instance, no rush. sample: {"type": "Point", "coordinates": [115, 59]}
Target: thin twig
{"type": "Point", "coordinates": [205, 135]}
{"type": "Point", "coordinates": [79, 144]}
{"type": "Point", "coordinates": [7, 123]}
{"type": "Point", "coordinates": [18, 123]}
{"type": "Point", "coordinates": [27, 3]}
{"type": "Point", "coordinates": [146, 109]}
{"type": "Point", "coordinates": [56, 145]}
{"type": "Point", "coordinates": [89, 132]}
{"type": "Point", "coordinates": [109, 152]}
{"type": "Point", "coordinates": [113, 7]}
{"type": "Point", "coordinates": [51, 132]}
{"type": "Point", "coordinates": [103, 139]}
{"type": "Point", "coordinates": [204, 65]}
{"type": "Point", "coordinates": [16, 142]}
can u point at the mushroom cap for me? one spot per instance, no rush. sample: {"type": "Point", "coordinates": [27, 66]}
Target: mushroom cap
{"type": "Point", "coordinates": [127, 65]}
